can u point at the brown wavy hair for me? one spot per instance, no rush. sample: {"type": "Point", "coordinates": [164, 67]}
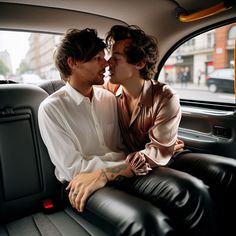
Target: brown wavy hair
{"type": "Point", "coordinates": [141, 47]}
{"type": "Point", "coordinates": [80, 45]}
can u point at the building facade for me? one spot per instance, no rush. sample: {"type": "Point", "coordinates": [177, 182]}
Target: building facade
{"type": "Point", "coordinates": [201, 55]}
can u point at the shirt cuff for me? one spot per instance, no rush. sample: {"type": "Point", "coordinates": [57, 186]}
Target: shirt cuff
{"type": "Point", "coordinates": [138, 163]}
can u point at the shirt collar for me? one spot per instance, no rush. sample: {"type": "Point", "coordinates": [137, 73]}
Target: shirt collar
{"type": "Point", "coordinates": [76, 96]}
{"type": "Point", "coordinates": [145, 96]}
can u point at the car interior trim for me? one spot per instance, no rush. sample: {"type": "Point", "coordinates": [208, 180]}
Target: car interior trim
{"type": "Point", "coordinates": [14, 12]}
{"type": "Point", "coordinates": [207, 112]}
{"type": "Point", "coordinates": [235, 69]}
{"type": "Point", "coordinates": [218, 8]}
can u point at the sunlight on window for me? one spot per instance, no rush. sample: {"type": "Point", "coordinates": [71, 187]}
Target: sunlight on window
{"type": "Point", "coordinates": [13, 48]}
{"type": "Point", "coordinates": [27, 57]}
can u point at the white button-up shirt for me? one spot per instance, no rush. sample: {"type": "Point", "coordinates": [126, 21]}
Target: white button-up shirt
{"type": "Point", "coordinates": [80, 135]}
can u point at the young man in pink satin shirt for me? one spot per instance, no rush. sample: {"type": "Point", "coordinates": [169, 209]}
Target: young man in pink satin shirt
{"type": "Point", "coordinates": [149, 115]}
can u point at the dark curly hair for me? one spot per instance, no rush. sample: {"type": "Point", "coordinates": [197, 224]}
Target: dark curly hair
{"type": "Point", "coordinates": [142, 47]}
{"type": "Point", "coordinates": [80, 45]}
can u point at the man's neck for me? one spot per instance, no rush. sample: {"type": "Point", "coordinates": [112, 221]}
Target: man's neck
{"type": "Point", "coordinates": [85, 89]}
{"type": "Point", "coordinates": [133, 88]}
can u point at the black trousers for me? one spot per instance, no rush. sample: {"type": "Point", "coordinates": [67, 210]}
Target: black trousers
{"type": "Point", "coordinates": [219, 174]}
{"type": "Point", "coordinates": [164, 202]}
{"type": "Point", "coordinates": [119, 213]}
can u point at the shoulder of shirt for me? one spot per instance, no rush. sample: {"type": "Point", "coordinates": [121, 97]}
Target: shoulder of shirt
{"type": "Point", "coordinates": [165, 89]}
{"type": "Point", "coordinates": [54, 97]}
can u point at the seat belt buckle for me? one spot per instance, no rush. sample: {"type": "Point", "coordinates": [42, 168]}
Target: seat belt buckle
{"type": "Point", "coordinates": [49, 206]}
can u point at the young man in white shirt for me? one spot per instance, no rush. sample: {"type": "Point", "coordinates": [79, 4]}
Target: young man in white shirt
{"type": "Point", "coordinates": [79, 126]}
{"type": "Point", "coordinates": [73, 120]}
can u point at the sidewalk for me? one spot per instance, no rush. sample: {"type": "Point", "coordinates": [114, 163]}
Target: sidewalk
{"type": "Point", "coordinates": [189, 86]}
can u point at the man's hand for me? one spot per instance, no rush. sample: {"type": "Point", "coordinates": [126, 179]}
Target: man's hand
{"type": "Point", "coordinates": [83, 185]}
{"type": "Point", "coordinates": [179, 146]}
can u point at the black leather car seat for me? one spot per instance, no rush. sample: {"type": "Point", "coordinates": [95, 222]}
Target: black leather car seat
{"type": "Point", "coordinates": [26, 172]}
{"type": "Point", "coordinates": [50, 86]}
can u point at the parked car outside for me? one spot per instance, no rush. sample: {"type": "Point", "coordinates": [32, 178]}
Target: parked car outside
{"type": "Point", "coordinates": [221, 80]}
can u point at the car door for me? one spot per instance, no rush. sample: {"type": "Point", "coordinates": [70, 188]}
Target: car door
{"type": "Point", "coordinates": [208, 119]}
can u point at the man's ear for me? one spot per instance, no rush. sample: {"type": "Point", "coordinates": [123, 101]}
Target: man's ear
{"type": "Point", "coordinates": [71, 62]}
{"type": "Point", "coordinates": [140, 65]}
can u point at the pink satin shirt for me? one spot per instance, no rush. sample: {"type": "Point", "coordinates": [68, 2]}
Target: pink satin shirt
{"type": "Point", "coordinates": [150, 132]}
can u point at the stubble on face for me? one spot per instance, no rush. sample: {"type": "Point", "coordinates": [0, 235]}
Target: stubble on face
{"type": "Point", "coordinates": [96, 69]}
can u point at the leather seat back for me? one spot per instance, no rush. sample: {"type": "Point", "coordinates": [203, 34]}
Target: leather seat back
{"type": "Point", "coordinates": [51, 86]}
{"type": "Point", "coordinates": [26, 172]}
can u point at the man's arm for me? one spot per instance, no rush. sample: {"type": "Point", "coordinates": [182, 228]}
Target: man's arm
{"type": "Point", "coordinates": [85, 184]}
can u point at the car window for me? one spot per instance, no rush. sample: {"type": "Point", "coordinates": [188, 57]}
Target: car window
{"type": "Point", "coordinates": [27, 57]}
{"type": "Point", "coordinates": [202, 68]}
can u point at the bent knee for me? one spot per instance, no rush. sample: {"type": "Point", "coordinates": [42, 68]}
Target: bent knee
{"type": "Point", "coordinates": [174, 182]}
{"type": "Point", "coordinates": [146, 220]}
{"type": "Point", "coordinates": [125, 214]}
{"type": "Point", "coordinates": [178, 190]}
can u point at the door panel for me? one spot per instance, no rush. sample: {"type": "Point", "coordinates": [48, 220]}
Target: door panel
{"type": "Point", "coordinates": [208, 130]}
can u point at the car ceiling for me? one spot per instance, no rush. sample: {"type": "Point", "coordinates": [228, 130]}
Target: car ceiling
{"type": "Point", "coordinates": [156, 17]}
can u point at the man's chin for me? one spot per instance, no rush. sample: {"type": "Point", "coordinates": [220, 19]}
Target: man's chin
{"type": "Point", "coordinates": [100, 82]}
